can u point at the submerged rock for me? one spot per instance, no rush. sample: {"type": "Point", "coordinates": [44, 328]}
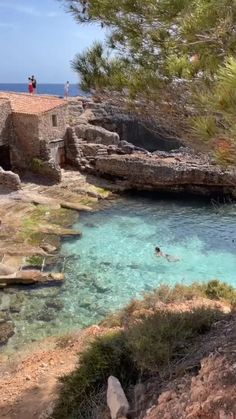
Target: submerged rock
{"type": "Point", "coordinates": [6, 330]}
{"type": "Point", "coordinates": [46, 315]}
{"type": "Point", "coordinates": [55, 304]}
{"type": "Point", "coordinates": [16, 303]}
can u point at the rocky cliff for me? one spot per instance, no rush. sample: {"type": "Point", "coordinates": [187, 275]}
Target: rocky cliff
{"type": "Point", "coordinates": [169, 173]}
{"type": "Point", "coordinates": [114, 154]}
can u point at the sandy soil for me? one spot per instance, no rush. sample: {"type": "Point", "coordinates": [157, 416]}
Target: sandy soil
{"type": "Point", "coordinates": [29, 383]}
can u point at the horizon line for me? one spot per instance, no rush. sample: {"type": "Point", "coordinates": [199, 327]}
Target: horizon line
{"type": "Point", "coordinates": [5, 82]}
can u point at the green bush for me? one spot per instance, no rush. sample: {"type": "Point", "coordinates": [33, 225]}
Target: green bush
{"type": "Point", "coordinates": [214, 290]}
{"type": "Point", "coordinates": [217, 290]}
{"type": "Point", "coordinates": [36, 164]}
{"type": "Point", "coordinates": [143, 349]}
{"type": "Point", "coordinates": [107, 355]}
{"type": "Point", "coordinates": [35, 260]}
{"type": "Point", "coordinates": [150, 341]}
{"type": "Point", "coordinates": [166, 336]}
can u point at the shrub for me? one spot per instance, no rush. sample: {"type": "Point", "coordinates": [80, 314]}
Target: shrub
{"type": "Point", "coordinates": [36, 164]}
{"type": "Point", "coordinates": [148, 344]}
{"type": "Point", "coordinates": [35, 261]}
{"type": "Point", "coordinates": [214, 290]}
{"type": "Point", "coordinates": [107, 355]}
{"type": "Point", "coordinates": [217, 290]}
{"type": "Point", "coordinates": [166, 336]}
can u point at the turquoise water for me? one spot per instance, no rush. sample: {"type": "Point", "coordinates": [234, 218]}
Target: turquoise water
{"type": "Point", "coordinates": [115, 261]}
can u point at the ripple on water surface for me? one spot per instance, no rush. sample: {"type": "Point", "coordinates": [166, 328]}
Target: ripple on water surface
{"type": "Point", "coordinates": [114, 261]}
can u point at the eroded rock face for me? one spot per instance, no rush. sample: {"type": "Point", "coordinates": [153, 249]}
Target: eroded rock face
{"type": "Point", "coordinates": [211, 394]}
{"type": "Point", "coordinates": [102, 151]}
{"type": "Point", "coordinates": [95, 134]}
{"type": "Point", "coordinates": [115, 118]}
{"type": "Point", "coordinates": [168, 173]}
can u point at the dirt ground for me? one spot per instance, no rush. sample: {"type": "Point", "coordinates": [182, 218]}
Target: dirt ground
{"type": "Point", "coordinates": [29, 383]}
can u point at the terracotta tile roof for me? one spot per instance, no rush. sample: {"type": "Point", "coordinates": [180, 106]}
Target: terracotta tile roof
{"type": "Point", "coordinates": [32, 104]}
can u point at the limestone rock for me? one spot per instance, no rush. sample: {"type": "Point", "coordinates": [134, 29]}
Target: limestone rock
{"type": "Point", "coordinates": [37, 199]}
{"type": "Point", "coordinates": [75, 206]}
{"type": "Point", "coordinates": [6, 270]}
{"type": "Point", "coordinates": [9, 180]}
{"type": "Point", "coordinates": [116, 399]}
{"type": "Point", "coordinates": [48, 248]}
{"type": "Point", "coordinates": [174, 174]}
{"type": "Point", "coordinates": [56, 230]}
{"type": "Point", "coordinates": [95, 134]}
{"type": "Point", "coordinates": [31, 277]}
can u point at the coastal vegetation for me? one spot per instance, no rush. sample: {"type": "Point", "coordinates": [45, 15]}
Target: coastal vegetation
{"type": "Point", "coordinates": [150, 338]}
{"type": "Point", "coordinates": [172, 60]}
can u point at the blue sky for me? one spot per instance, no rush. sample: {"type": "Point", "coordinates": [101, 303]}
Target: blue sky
{"type": "Point", "coordinates": [38, 37]}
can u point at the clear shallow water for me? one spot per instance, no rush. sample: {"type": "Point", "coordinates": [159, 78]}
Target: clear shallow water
{"type": "Point", "coordinates": [114, 261]}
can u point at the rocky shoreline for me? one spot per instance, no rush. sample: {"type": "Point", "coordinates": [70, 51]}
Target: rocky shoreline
{"type": "Point", "coordinates": [94, 149]}
{"type": "Point", "coordinates": [33, 222]}
{"type": "Point", "coordinates": [37, 216]}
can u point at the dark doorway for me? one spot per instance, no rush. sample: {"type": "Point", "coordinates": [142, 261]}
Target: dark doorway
{"type": "Point", "coordinates": [5, 160]}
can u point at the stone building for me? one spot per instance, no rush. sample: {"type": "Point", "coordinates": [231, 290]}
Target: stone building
{"type": "Point", "coordinates": [32, 130]}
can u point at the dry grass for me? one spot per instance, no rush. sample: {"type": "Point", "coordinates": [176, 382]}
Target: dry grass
{"type": "Point", "coordinates": [143, 346]}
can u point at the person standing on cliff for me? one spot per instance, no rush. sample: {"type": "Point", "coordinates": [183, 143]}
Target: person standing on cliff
{"type": "Point", "coordinates": [66, 90]}
{"type": "Point", "coordinates": [30, 86]}
{"type": "Point", "coordinates": [34, 84]}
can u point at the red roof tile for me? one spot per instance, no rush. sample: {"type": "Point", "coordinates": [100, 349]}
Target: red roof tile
{"type": "Point", "coordinates": [32, 104]}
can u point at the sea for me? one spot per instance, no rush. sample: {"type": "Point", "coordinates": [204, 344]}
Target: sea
{"type": "Point", "coordinates": [114, 261]}
{"type": "Point", "coordinates": [56, 89]}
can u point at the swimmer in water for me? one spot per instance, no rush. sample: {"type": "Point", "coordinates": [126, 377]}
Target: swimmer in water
{"type": "Point", "coordinates": [170, 258]}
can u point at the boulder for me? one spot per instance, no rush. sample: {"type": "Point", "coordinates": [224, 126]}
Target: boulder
{"type": "Point", "coordinates": [9, 180]}
{"type": "Point", "coordinates": [116, 399]}
{"type": "Point", "coordinates": [95, 134]}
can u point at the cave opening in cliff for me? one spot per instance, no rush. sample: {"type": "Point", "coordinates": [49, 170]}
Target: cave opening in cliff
{"type": "Point", "coordinates": [5, 159]}
{"type": "Point", "coordinates": [141, 134]}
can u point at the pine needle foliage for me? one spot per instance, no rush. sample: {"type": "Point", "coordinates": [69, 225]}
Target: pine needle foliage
{"type": "Point", "coordinates": [154, 46]}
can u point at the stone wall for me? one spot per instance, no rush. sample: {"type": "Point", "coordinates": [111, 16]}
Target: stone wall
{"type": "Point", "coordinates": [5, 122]}
{"type": "Point", "coordinates": [57, 151]}
{"type": "Point", "coordinates": [9, 180]}
{"type": "Point", "coordinates": [45, 124]}
{"type": "Point", "coordinates": [30, 131]}
{"type": "Point", "coordinates": [25, 145]}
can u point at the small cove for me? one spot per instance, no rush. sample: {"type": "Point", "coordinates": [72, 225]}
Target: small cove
{"type": "Point", "coordinates": [114, 261]}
